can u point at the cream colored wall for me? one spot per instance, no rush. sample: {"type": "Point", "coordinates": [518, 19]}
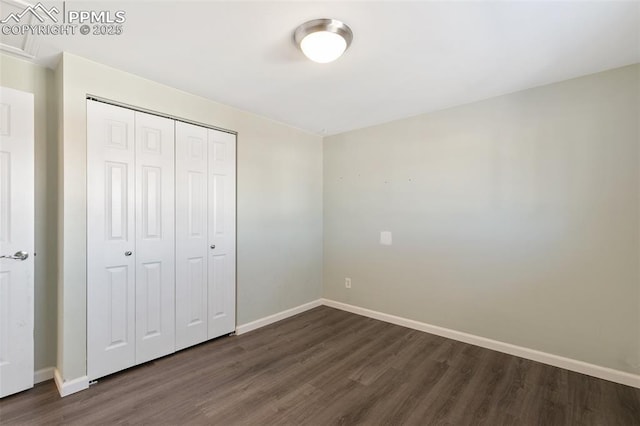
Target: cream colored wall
{"type": "Point", "coordinates": [22, 75]}
{"type": "Point", "coordinates": [515, 218]}
{"type": "Point", "coordinates": [279, 208]}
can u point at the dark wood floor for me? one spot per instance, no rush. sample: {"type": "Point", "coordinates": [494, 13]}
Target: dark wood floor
{"type": "Point", "coordinates": [326, 366]}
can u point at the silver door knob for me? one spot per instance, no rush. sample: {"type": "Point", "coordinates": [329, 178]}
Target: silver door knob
{"type": "Point", "coordinates": [212, 246]}
{"type": "Point", "coordinates": [19, 255]}
{"type": "Point", "coordinates": [128, 253]}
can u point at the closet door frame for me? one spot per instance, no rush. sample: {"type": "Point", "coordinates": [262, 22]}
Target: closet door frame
{"type": "Point", "coordinates": [195, 319]}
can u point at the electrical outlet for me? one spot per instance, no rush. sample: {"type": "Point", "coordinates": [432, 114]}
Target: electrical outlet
{"type": "Point", "coordinates": [347, 282]}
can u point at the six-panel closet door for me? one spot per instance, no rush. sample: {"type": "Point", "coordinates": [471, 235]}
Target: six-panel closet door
{"type": "Point", "coordinates": [222, 233]}
{"type": "Point", "coordinates": [110, 236]}
{"type": "Point", "coordinates": [155, 237]}
{"type": "Point", "coordinates": [191, 234]}
{"type": "Point", "coordinates": [205, 234]}
{"type": "Point", "coordinates": [130, 238]}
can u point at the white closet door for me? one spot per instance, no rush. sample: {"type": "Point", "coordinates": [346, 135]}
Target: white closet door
{"type": "Point", "coordinates": [222, 233]}
{"type": "Point", "coordinates": [16, 235]}
{"type": "Point", "coordinates": [155, 254]}
{"type": "Point", "coordinates": [191, 235]}
{"type": "Point", "coordinates": [110, 239]}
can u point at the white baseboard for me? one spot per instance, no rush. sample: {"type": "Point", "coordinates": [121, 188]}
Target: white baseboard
{"type": "Point", "coordinates": [68, 387]}
{"type": "Point", "coordinates": [605, 373]}
{"type": "Point", "coordinates": [43, 375]}
{"type": "Point", "coordinates": [245, 328]}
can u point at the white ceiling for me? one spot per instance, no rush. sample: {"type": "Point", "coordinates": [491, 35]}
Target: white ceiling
{"type": "Point", "coordinates": [406, 58]}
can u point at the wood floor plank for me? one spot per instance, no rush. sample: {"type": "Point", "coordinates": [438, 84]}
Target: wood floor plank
{"type": "Point", "coordinates": [439, 406]}
{"type": "Point", "coordinates": [489, 378]}
{"type": "Point", "coordinates": [325, 367]}
{"type": "Point", "coordinates": [398, 406]}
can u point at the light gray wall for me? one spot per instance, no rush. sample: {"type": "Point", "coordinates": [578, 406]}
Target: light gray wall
{"type": "Point", "coordinates": [279, 241]}
{"type": "Point", "coordinates": [515, 218]}
{"type": "Point", "coordinates": [22, 75]}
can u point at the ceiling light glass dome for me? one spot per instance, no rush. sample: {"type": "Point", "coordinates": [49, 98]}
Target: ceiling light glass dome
{"type": "Point", "coordinates": [323, 40]}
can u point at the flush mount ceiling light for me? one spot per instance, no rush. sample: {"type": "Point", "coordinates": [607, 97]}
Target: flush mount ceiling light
{"type": "Point", "coordinates": [323, 40]}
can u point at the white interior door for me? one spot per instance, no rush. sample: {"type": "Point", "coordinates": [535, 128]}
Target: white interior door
{"type": "Point", "coordinates": [222, 233]}
{"type": "Point", "coordinates": [110, 239]}
{"type": "Point", "coordinates": [16, 235]}
{"type": "Point", "coordinates": [155, 243]}
{"type": "Point", "coordinates": [191, 234]}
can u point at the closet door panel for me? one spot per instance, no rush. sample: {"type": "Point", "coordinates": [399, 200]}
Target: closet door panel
{"type": "Point", "coordinates": [110, 239]}
{"type": "Point", "coordinates": [222, 233]}
{"type": "Point", "coordinates": [191, 234]}
{"type": "Point", "coordinates": [155, 237]}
